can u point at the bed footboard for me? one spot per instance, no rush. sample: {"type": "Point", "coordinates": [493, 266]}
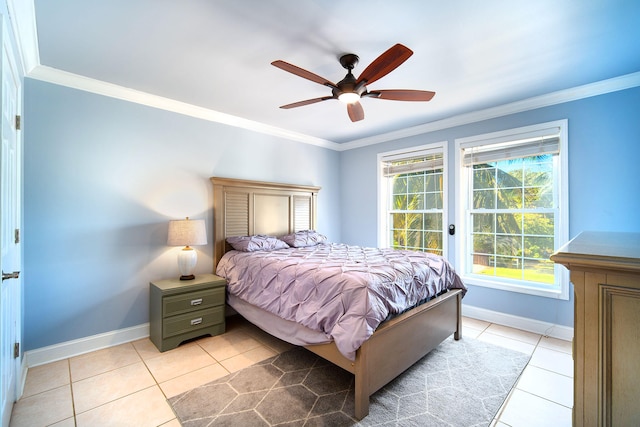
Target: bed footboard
{"type": "Point", "coordinates": [411, 336]}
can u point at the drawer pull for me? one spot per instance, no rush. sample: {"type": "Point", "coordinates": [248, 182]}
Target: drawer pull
{"type": "Point", "coordinates": [196, 301]}
{"type": "Point", "coordinates": [197, 321]}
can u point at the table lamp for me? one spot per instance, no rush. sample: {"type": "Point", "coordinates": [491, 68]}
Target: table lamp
{"type": "Point", "coordinates": [187, 232]}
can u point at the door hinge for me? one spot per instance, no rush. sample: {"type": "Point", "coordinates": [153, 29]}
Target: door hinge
{"type": "Point", "coordinates": [16, 350]}
{"type": "Point", "coordinates": [17, 236]}
{"type": "Point", "coordinates": [18, 122]}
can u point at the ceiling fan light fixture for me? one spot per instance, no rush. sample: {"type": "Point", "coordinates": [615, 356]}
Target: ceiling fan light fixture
{"type": "Point", "coordinates": [349, 97]}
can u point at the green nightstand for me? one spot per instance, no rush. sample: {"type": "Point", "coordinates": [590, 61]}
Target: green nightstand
{"type": "Point", "coordinates": [180, 310]}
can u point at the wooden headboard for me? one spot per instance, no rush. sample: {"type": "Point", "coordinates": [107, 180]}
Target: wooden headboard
{"type": "Point", "coordinates": [244, 208]}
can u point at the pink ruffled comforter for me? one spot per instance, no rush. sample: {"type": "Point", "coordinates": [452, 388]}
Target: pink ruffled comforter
{"type": "Point", "coordinates": [343, 291]}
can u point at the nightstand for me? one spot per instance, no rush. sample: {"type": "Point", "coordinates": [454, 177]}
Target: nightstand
{"type": "Point", "coordinates": [183, 309]}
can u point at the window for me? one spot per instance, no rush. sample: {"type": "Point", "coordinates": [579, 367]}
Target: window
{"type": "Point", "coordinates": [412, 199]}
{"type": "Point", "coordinates": [512, 209]}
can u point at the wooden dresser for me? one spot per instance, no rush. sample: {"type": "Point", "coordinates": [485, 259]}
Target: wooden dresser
{"type": "Point", "coordinates": [605, 272]}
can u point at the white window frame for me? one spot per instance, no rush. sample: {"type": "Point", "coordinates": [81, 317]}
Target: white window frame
{"type": "Point", "coordinates": [383, 218]}
{"type": "Point", "coordinates": [463, 260]}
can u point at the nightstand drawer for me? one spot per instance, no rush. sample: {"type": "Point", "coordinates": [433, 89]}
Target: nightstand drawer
{"type": "Point", "coordinates": [200, 319]}
{"type": "Point", "coordinates": [198, 300]}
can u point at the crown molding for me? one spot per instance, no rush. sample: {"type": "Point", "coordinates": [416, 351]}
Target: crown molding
{"type": "Point", "coordinates": [75, 81]}
{"type": "Point", "coordinates": [580, 92]}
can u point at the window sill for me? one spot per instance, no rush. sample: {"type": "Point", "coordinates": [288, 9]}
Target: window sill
{"type": "Point", "coordinates": [561, 293]}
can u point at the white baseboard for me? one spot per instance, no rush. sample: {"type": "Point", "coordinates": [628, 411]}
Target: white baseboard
{"type": "Point", "coordinates": [73, 348]}
{"type": "Point", "coordinates": [523, 323]}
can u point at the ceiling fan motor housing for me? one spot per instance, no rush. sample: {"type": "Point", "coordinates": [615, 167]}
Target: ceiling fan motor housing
{"type": "Point", "coordinates": [348, 84]}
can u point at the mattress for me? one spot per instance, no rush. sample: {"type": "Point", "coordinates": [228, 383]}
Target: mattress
{"type": "Point", "coordinates": [343, 292]}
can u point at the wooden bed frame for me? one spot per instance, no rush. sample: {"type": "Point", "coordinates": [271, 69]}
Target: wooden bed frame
{"type": "Point", "coordinates": [242, 207]}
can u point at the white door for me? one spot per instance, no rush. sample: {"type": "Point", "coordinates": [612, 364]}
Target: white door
{"type": "Point", "coordinates": [10, 217]}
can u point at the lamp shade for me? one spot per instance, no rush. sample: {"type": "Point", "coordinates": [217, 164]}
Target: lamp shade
{"type": "Point", "coordinates": [187, 232]}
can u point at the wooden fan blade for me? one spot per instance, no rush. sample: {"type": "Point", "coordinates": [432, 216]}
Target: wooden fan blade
{"type": "Point", "coordinates": [302, 73]}
{"type": "Point", "coordinates": [385, 63]}
{"type": "Point", "coordinates": [402, 95]}
{"type": "Point", "coordinates": [306, 102]}
{"type": "Point", "coordinates": [356, 112]}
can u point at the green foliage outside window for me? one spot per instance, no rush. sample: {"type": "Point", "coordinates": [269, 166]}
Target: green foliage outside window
{"type": "Point", "coordinates": [512, 219]}
{"type": "Point", "coordinates": [416, 211]}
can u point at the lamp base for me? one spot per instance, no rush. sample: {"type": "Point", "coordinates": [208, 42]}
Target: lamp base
{"type": "Point", "coordinates": [187, 259]}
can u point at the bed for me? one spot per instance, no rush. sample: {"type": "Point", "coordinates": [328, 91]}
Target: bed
{"type": "Point", "coordinates": [244, 208]}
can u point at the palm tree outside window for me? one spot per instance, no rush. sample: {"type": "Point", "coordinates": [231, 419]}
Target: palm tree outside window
{"type": "Point", "coordinates": [413, 191]}
{"type": "Point", "coordinates": [512, 208]}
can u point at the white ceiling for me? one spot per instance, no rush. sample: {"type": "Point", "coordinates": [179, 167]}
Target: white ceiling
{"type": "Point", "coordinates": [216, 54]}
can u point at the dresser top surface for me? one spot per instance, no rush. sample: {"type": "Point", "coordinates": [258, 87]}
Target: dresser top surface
{"type": "Point", "coordinates": [599, 247]}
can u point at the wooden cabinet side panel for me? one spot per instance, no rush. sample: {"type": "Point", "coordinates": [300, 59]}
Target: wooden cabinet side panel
{"type": "Point", "coordinates": [592, 387]}
{"type": "Point", "coordinates": [620, 355]}
{"type": "Point", "coordinates": [577, 278]}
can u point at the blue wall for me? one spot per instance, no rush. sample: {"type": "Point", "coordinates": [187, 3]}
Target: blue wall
{"type": "Point", "coordinates": [102, 178]}
{"type": "Point", "coordinates": [604, 184]}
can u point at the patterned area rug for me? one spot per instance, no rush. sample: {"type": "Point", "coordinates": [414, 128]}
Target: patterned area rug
{"type": "Point", "coordinates": [460, 383]}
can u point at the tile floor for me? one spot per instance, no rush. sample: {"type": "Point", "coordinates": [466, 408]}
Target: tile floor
{"type": "Point", "coordinates": [127, 385]}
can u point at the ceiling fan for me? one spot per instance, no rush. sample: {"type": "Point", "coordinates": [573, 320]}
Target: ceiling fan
{"type": "Point", "coordinates": [350, 90]}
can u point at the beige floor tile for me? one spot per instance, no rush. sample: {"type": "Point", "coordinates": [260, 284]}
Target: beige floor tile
{"type": "Point", "coordinates": [556, 344]}
{"type": "Point", "coordinates": [231, 344]}
{"type": "Point", "coordinates": [547, 385]}
{"type": "Point", "coordinates": [193, 379]}
{"type": "Point", "coordinates": [102, 361]}
{"type": "Point", "coordinates": [46, 377]}
{"type": "Point", "coordinates": [173, 423]}
{"type": "Point", "coordinates": [527, 410]}
{"type": "Point", "coordinates": [516, 334]}
{"type": "Point", "coordinates": [100, 389]}
{"type": "Point", "coordinates": [42, 409]}
{"type": "Point", "coordinates": [146, 408]}
{"type": "Point", "coordinates": [247, 359]}
{"type": "Point", "coordinates": [507, 342]}
{"type": "Point", "coordinates": [69, 422]}
{"type": "Point", "coordinates": [179, 361]}
{"type": "Point", "coordinates": [468, 322]}
{"type": "Point", "coordinates": [552, 360]}
{"type": "Point", "coordinates": [146, 349]}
